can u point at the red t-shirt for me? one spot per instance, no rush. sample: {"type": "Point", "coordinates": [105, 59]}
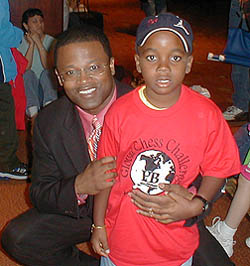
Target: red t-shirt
{"type": "Point", "coordinates": [172, 145]}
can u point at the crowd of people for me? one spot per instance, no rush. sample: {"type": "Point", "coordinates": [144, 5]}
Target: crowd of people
{"type": "Point", "coordinates": [106, 168]}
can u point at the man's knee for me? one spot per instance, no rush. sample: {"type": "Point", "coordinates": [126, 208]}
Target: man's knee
{"type": "Point", "coordinates": [14, 239]}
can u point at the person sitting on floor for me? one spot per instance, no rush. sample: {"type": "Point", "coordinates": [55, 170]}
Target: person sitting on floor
{"type": "Point", "coordinates": [38, 80]}
{"type": "Point", "coordinates": [225, 230]}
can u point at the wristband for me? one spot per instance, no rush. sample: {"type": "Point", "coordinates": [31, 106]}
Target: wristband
{"type": "Point", "coordinates": [206, 203]}
{"type": "Point", "coordinates": [96, 227]}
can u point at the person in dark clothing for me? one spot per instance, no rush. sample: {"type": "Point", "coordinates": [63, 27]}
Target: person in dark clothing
{"type": "Point", "coordinates": [11, 36]}
{"type": "Point", "coordinates": [64, 179]}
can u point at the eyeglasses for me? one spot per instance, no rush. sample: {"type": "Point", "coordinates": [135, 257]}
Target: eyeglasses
{"type": "Point", "coordinates": [90, 71]}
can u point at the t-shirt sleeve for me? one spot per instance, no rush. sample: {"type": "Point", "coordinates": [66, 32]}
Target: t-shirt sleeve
{"type": "Point", "coordinates": [108, 145]}
{"type": "Point", "coordinates": [48, 42]}
{"type": "Point", "coordinates": [221, 156]}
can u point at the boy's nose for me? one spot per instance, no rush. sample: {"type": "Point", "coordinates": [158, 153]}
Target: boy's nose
{"type": "Point", "coordinates": [163, 66]}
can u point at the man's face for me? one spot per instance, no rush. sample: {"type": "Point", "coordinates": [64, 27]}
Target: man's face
{"type": "Point", "coordinates": [163, 63]}
{"type": "Point", "coordinates": [86, 73]}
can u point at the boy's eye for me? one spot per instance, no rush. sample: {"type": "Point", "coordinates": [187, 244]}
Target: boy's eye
{"type": "Point", "coordinates": [176, 58]}
{"type": "Point", "coordinates": [151, 58]}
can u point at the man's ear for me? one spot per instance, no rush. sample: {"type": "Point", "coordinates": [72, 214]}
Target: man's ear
{"type": "Point", "coordinates": [60, 80]}
{"type": "Point", "coordinates": [189, 64]}
{"type": "Point", "coordinates": [112, 65]}
{"type": "Point", "coordinates": [137, 63]}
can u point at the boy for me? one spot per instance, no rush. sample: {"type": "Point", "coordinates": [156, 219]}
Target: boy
{"type": "Point", "coordinates": [40, 88]}
{"type": "Point", "coordinates": [169, 134]}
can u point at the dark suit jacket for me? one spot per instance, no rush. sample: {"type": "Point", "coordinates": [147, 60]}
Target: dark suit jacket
{"type": "Point", "coordinates": [60, 154]}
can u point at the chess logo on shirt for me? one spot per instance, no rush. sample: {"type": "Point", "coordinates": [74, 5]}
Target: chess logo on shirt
{"type": "Point", "coordinates": [151, 168]}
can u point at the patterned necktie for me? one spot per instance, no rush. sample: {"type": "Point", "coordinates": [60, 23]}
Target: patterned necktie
{"type": "Point", "coordinates": [94, 138]}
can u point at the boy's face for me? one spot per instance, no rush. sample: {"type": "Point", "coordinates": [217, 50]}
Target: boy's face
{"type": "Point", "coordinates": [86, 73]}
{"type": "Point", "coordinates": [35, 25]}
{"type": "Point", "coordinates": [163, 63]}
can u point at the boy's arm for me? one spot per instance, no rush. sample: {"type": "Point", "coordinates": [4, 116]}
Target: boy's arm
{"type": "Point", "coordinates": [208, 189]}
{"type": "Point", "coordinates": [30, 51]}
{"type": "Point", "coordinates": [99, 236]}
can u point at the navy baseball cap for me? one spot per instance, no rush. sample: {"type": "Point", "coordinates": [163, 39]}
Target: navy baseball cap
{"type": "Point", "coordinates": [165, 22]}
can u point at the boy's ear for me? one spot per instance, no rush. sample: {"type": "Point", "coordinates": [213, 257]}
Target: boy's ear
{"type": "Point", "coordinates": [26, 26]}
{"type": "Point", "coordinates": [59, 78]}
{"type": "Point", "coordinates": [112, 65]}
{"type": "Point", "coordinates": [189, 64]}
{"type": "Point", "coordinates": [137, 63]}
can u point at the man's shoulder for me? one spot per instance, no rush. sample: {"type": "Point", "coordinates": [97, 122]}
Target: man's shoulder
{"type": "Point", "coordinates": [122, 88]}
{"type": "Point", "coordinates": [55, 110]}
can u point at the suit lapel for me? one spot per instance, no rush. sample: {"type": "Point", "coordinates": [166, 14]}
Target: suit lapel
{"type": "Point", "coordinates": [75, 140]}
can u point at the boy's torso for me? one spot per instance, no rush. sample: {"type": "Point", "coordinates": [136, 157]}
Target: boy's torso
{"type": "Point", "coordinates": [155, 147]}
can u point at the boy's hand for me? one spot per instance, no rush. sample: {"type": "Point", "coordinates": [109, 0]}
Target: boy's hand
{"type": "Point", "coordinates": [99, 242]}
{"type": "Point", "coordinates": [28, 38]}
{"type": "Point", "coordinates": [36, 38]}
{"type": "Point", "coordinates": [175, 205]}
{"type": "Point", "coordinates": [97, 176]}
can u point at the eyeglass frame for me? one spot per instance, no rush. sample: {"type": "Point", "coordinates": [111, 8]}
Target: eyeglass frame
{"type": "Point", "coordinates": [86, 70]}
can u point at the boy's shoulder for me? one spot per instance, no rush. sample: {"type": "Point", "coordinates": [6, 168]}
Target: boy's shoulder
{"type": "Point", "coordinates": [125, 98]}
{"type": "Point", "coordinates": [197, 98]}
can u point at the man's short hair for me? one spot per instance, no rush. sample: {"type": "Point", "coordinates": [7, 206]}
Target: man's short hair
{"type": "Point", "coordinates": [29, 13]}
{"type": "Point", "coordinates": [84, 33]}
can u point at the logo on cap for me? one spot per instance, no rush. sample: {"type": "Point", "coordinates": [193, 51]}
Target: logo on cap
{"type": "Point", "coordinates": [180, 25]}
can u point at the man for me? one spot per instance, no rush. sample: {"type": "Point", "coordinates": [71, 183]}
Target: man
{"type": "Point", "coordinates": [10, 165]}
{"type": "Point", "coordinates": [63, 178]}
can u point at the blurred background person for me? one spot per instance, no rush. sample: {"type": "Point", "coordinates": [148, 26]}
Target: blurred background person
{"type": "Point", "coordinates": [10, 165]}
{"type": "Point", "coordinates": [39, 83]}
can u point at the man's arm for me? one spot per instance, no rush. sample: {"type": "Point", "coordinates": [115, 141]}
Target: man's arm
{"type": "Point", "coordinates": [50, 191]}
{"type": "Point", "coordinates": [54, 187]}
{"type": "Point", "coordinates": [177, 203]}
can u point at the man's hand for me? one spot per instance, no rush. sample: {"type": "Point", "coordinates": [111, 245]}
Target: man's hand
{"type": "Point", "coordinates": [175, 205]}
{"type": "Point", "coordinates": [97, 176]}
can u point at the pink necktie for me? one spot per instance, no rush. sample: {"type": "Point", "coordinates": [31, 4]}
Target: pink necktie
{"type": "Point", "coordinates": [92, 146]}
{"type": "Point", "coordinates": [94, 138]}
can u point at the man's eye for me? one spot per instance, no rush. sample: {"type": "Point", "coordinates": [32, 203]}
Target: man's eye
{"type": "Point", "coordinates": [71, 73]}
{"type": "Point", "coordinates": [151, 58]}
{"type": "Point", "coordinates": [94, 68]}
